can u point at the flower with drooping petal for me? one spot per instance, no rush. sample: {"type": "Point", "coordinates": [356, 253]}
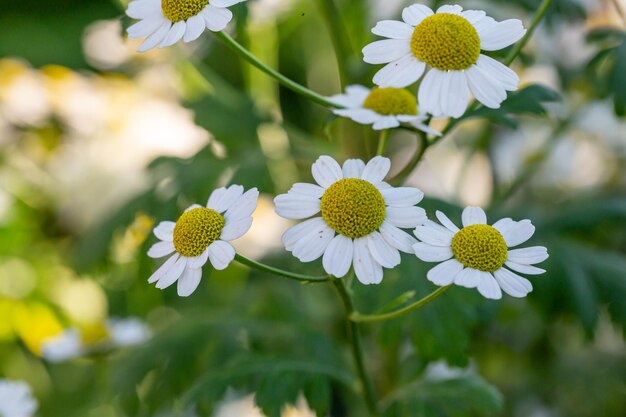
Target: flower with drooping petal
{"type": "Point", "coordinates": [16, 399]}
{"type": "Point", "coordinates": [450, 43]}
{"type": "Point", "coordinates": [475, 256]}
{"type": "Point", "coordinates": [361, 217]}
{"type": "Point", "coordinates": [165, 22]}
{"type": "Point", "coordinates": [201, 234]}
{"type": "Point", "coordinates": [385, 108]}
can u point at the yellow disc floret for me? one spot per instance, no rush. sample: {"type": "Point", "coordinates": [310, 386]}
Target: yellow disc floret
{"type": "Point", "coordinates": [446, 41]}
{"type": "Point", "coordinates": [480, 247]}
{"type": "Point", "coordinates": [177, 10]}
{"type": "Point", "coordinates": [353, 207]}
{"type": "Point", "coordinates": [196, 229]}
{"type": "Point", "coordinates": [389, 100]}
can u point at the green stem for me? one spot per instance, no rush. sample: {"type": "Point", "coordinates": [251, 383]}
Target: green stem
{"type": "Point", "coordinates": [358, 317]}
{"type": "Point", "coordinates": [306, 279]}
{"type": "Point", "coordinates": [287, 82]}
{"type": "Point", "coordinates": [343, 50]}
{"type": "Point", "coordinates": [382, 142]}
{"type": "Point", "coordinates": [357, 348]}
{"type": "Point", "coordinates": [417, 157]}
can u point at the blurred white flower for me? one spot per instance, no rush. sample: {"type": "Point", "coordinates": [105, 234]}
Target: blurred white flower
{"type": "Point", "coordinates": [16, 399]}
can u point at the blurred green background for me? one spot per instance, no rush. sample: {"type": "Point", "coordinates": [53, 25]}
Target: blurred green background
{"type": "Point", "coordinates": [98, 142]}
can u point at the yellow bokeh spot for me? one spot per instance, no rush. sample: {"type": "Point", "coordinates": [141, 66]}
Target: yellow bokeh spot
{"type": "Point", "coordinates": [94, 333]}
{"type": "Point", "coordinates": [34, 324]}
{"type": "Point", "coordinates": [391, 101]}
{"type": "Point", "coordinates": [353, 207]}
{"type": "Point", "coordinates": [480, 247]}
{"type": "Point", "coordinates": [196, 229]}
{"type": "Point", "coordinates": [446, 41]}
{"type": "Point", "coordinates": [177, 10]}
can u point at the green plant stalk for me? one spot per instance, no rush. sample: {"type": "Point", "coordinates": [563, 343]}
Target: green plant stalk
{"type": "Point", "coordinates": [410, 166]}
{"type": "Point", "coordinates": [358, 317]}
{"type": "Point", "coordinates": [342, 47]}
{"type": "Point", "coordinates": [357, 348]}
{"type": "Point", "coordinates": [305, 279]}
{"type": "Point", "coordinates": [382, 142]}
{"type": "Point", "coordinates": [287, 82]}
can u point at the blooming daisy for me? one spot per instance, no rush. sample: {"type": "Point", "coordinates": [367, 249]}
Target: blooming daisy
{"type": "Point", "coordinates": [165, 22]}
{"type": "Point", "coordinates": [16, 399]}
{"type": "Point", "coordinates": [360, 218]}
{"type": "Point", "coordinates": [450, 42]}
{"type": "Point", "coordinates": [201, 234]}
{"type": "Point", "coordinates": [384, 107]}
{"type": "Point", "coordinates": [476, 255]}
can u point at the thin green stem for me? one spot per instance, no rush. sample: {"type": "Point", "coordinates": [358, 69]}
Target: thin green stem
{"type": "Point", "coordinates": [343, 49]}
{"type": "Point", "coordinates": [357, 348]}
{"type": "Point", "coordinates": [382, 142]}
{"type": "Point", "coordinates": [306, 279]}
{"type": "Point", "coordinates": [358, 317]}
{"type": "Point", "coordinates": [417, 157]}
{"type": "Point", "coordinates": [287, 82]}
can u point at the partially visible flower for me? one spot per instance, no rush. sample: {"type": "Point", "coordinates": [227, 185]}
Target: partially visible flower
{"type": "Point", "coordinates": [16, 399]}
{"type": "Point", "coordinates": [201, 234]}
{"type": "Point", "coordinates": [63, 347]}
{"type": "Point", "coordinates": [128, 331]}
{"type": "Point", "coordinates": [385, 108]}
{"type": "Point", "coordinates": [450, 42]}
{"type": "Point", "coordinates": [360, 218]}
{"type": "Point", "coordinates": [475, 256]}
{"type": "Point", "coordinates": [165, 22]}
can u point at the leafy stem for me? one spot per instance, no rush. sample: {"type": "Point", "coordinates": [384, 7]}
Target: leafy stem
{"type": "Point", "coordinates": [343, 49]}
{"type": "Point", "coordinates": [382, 142]}
{"type": "Point", "coordinates": [306, 279]}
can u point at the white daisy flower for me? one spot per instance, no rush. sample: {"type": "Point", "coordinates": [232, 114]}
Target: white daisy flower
{"type": "Point", "coordinates": [360, 218]}
{"type": "Point", "coordinates": [450, 42]}
{"type": "Point", "coordinates": [475, 256]}
{"type": "Point", "coordinates": [385, 108]}
{"type": "Point", "coordinates": [165, 22]}
{"type": "Point", "coordinates": [16, 399]}
{"type": "Point", "coordinates": [201, 234]}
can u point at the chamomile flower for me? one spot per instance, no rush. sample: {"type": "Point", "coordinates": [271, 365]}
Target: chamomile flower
{"type": "Point", "coordinates": [360, 220]}
{"type": "Point", "coordinates": [385, 108]}
{"type": "Point", "coordinates": [475, 256]}
{"type": "Point", "coordinates": [201, 234]}
{"type": "Point", "coordinates": [165, 22]}
{"type": "Point", "coordinates": [16, 399]}
{"type": "Point", "coordinates": [450, 43]}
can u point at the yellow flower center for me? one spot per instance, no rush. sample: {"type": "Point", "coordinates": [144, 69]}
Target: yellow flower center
{"type": "Point", "coordinates": [480, 247]}
{"type": "Point", "coordinates": [196, 229]}
{"type": "Point", "coordinates": [389, 100]}
{"type": "Point", "coordinates": [446, 41]}
{"type": "Point", "coordinates": [177, 10]}
{"type": "Point", "coordinates": [353, 207]}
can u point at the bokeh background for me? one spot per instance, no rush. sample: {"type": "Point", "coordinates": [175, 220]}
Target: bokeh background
{"type": "Point", "coordinates": [97, 143]}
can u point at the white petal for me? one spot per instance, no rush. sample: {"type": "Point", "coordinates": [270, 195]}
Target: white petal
{"type": "Point", "coordinates": [499, 35]}
{"type": "Point", "coordinates": [473, 16]}
{"type": "Point", "coordinates": [235, 229]}
{"type": "Point", "coordinates": [429, 94]}
{"type": "Point", "coordinates": [489, 288]}
{"type": "Point", "coordinates": [446, 221]}
{"type": "Point", "coordinates": [489, 91]}
{"type": "Point", "coordinates": [402, 196]}
{"type": "Point", "coordinates": [161, 249]}
{"type": "Point", "coordinates": [413, 15]}
{"type": "Point", "coordinates": [355, 96]}
{"type": "Point", "coordinates": [216, 18]}
{"type": "Point", "coordinates": [504, 225]}
{"type": "Point", "coordinates": [164, 231]}
{"type": "Point", "coordinates": [397, 238]}
{"type": "Point", "coordinates": [144, 27]}
{"type": "Point", "coordinates": [353, 168]}
{"type": "Point", "coordinates": [221, 254]}
{"type": "Point", "coordinates": [312, 246]}
{"type": "Point", "coordinates": [195, 27]}
{"type": "Point", "coordinates": [198, 262]}
{"type": "Point", "coordinates": [376, 169]}
{"type": "Point", "coordinates": [382, 52]}
{"type": "Point", "coordinates": [445, 272]}
{"type": "Point", "coordinates": [450, 8]}
{"type": "Point", "coordinates": [518, 233]}
{"type": "Point", "coordinates": [454, 94]}
{"type": "Point", "coordinates": [163, 268]}
{"type": "Point", "coordinates": [193, 206]}
{"type": "Point", "coordinates": [386, 122]}
{"type": "Point", "coordinates": [144, 9]}
{"type": "Point", "coordinates": [338, 256]}
{"type": "Point", "coordinates": [367, 270]}
{"type": "Point", "coordinates": [430, 253]}
{"type": "Point", "coordinates": [224, 3]}
{"type": "Point", "coordinates": [383, 253]}
{"type": "Point", "coordinates": [298, 232]}
{"type": "Point", "coordinates": [427, 129]}
{"type": "Point", "coordinates": [189, 281]}
{"type": "Point", "coordinates": [513, 284]}
{"type": "Point", "coordinates": [434, 234]}
{"type": "Point", "coordinates": [470, 278]}
{"type": "Point", "coordinates": [172, 274]}
{"type": "Point", "coordinates": [175, 34]}
{"type": "Point", "coordinates": [406, 217]}
{"type": "Point", "coordinates": [305, 189]}
{"type": "Point", "coordinates": [400, 73]}
{"type": "Point", "coordinates": [243, 207]}
{"type": "Point", "coordinates": [524, 269]}
{"type": "Point", "coordinates": [473, 215]}
{"type": "Point", "coordinates": [528, 256]}
{"type": "Point", "coordinates": [363, 116]}
{"type": "Point", "coordinates": [505, 75]}
{"type": "Point", "coordinates": [393, 29]}
{"type": "Point", "coordinates": [222, 199]}
{"type": "Point", "coordinates": [326, 171]}
{"type": "Point", "coordinates": [296, 206]}
{"type": "Point", "coordinates": [157, 37]}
